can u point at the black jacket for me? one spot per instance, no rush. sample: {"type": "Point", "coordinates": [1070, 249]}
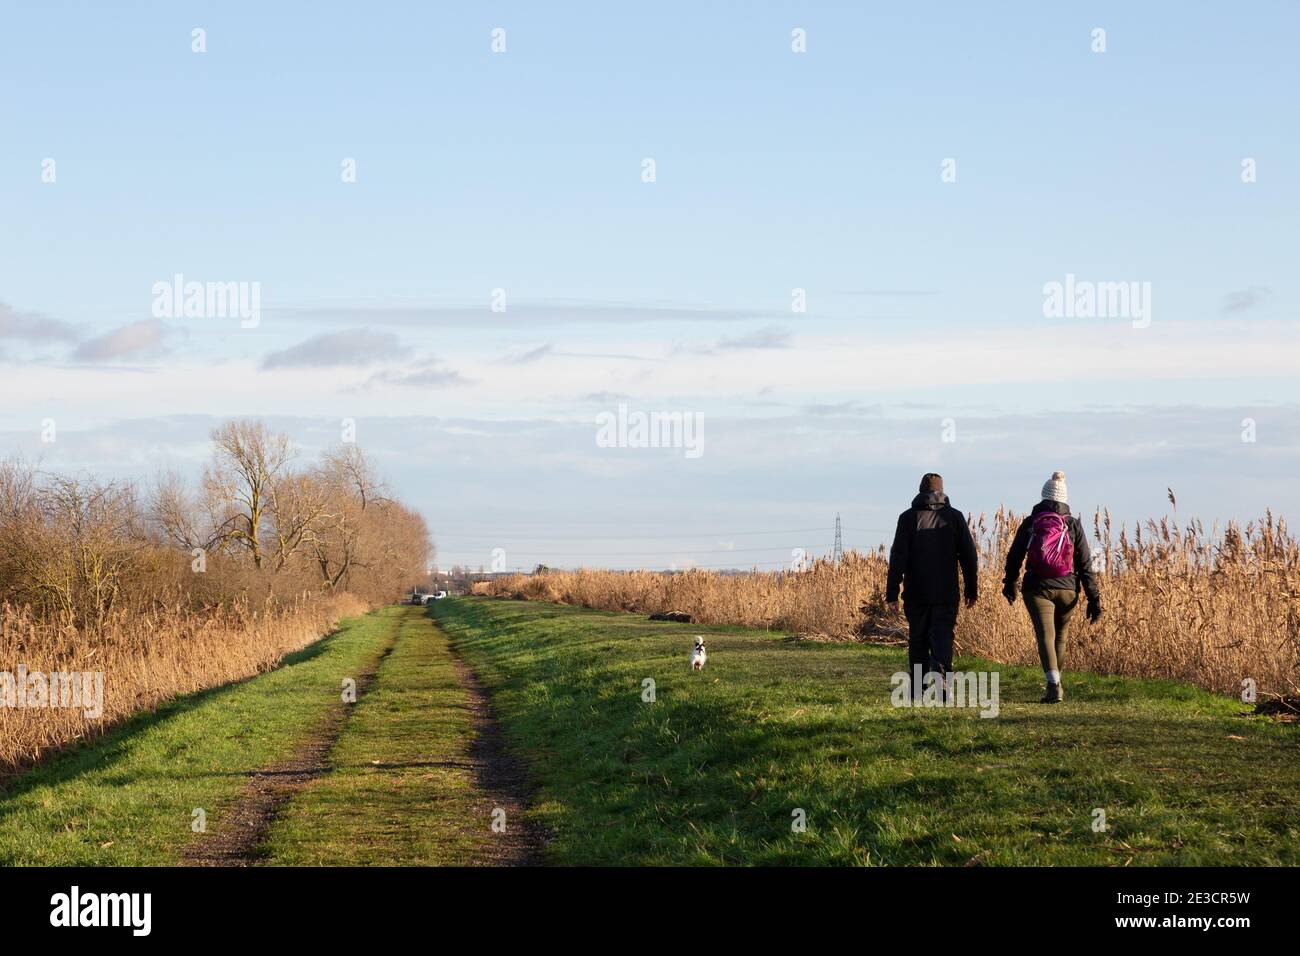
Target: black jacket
{"type": "Point", "coordinates": [1082, 556]}
{"type": "Point", "coordinates": [931, 540]}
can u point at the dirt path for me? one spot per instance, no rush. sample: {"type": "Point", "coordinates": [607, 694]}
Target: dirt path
{"type": "Point", "coordinates": [235, 840]}
{"type": "Point", "coordinates": [500, 779]}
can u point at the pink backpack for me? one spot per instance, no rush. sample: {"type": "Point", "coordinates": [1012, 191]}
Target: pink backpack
{"type": "Point", "coordinates": [1051, 552]}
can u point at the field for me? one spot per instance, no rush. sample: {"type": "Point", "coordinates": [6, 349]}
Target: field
{"type": "Point", "coordinates": [147, 659]}
{"type": "Point", "coordinates": [1219, 609]}
{"type": "Point", "coordinates": [716, 769]}
{"type": "Point", "coordinates": [713, 770]}
{"type": "Point", "coordinates": [390, 778]}
{"type": "Point", "coordinates": [129, 798]}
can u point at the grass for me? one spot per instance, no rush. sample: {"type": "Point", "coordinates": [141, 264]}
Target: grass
{"type": "Point", "coordinates": [400, 792]}
{"type": "Point", "coordinates": [1219, 608]}
{"type": "Point", "coordinates": [148, 659]}
{"type": "Point", "coordinates": [128, 798]}
{"type": "Point", "coordinates": [710, 772]}
{"type": "Point", "coordinates": [713, 770]}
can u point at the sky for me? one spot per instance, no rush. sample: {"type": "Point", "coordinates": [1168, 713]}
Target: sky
{"type": "Point", "coordinates": [823, 234]}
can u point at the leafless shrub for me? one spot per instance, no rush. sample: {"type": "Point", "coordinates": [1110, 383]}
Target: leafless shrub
{"type": "Point", "coordinates": [176, 590]}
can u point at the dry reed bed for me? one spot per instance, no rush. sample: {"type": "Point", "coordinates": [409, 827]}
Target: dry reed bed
{"type": "Point", "coordinates": [147, 659]}
{"type": "Point", "coordinates": [1212, 609]}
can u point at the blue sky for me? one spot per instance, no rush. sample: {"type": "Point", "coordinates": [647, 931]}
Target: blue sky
{"type": "Point", "coordinates": [775, 170]}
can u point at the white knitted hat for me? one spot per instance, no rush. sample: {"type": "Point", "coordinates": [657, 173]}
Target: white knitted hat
{"type": "Point", "coordinates": [1054, 488]}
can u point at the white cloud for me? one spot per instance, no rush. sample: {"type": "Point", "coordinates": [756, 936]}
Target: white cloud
{"type": "Point", "coordinates": [428, 374]}
{"type": "Point", "coordinates": [768, 337]}
{"type": "Point", "coordinates": [332, 349]}
{"type": "Point", "coordinates": [33, 326]}
{"type": "Point", "coordinates": [135, 340]}
{"type": "Point", "coordinates": [518, 313]}
{"type": "Point", "coordinates": [1245, 299]}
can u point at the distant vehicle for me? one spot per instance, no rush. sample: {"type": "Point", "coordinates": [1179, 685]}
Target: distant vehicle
{"type": "Point", "coordinates": [418, 598]}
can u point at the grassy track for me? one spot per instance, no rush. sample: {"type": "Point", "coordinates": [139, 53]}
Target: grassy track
{"type": "Point", "coordinates": [128, 799]}
{"type": "Point", "coordinates": [401, 791]}
{"type": "Point", "coordinates": [712, 771]}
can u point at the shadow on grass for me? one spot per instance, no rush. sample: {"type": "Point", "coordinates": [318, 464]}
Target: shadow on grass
{"type": "Point", "coordinates": [111, 745]}
{"type": "Point", "coordinates": [712, 773]}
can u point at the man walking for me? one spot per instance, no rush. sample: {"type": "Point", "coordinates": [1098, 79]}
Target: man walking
{"type": "Point", "coordinates": [931, 541]}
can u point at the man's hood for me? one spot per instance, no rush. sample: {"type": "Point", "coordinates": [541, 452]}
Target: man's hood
{"type": "Point", "coordinates": [934, 500]}
{"type": "Point", "coordinates": [1056, 506]}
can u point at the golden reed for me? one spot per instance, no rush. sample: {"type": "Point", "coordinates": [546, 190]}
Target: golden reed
{"type": "Point", "coordinates": [1212, 609]}
{"type": "Point", "coordinates": [146, 658]}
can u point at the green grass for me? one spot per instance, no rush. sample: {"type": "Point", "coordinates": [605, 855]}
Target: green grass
{"type": "Point", "coordinates": [708, 773]}
{"type": "Point", "coordinates": [128, 799]}
{"type": "Point", "coordinates": [400, 792]}
{"type": "Point", "coordinates": [712, 771]}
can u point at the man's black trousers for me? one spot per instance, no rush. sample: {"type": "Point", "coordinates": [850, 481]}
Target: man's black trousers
{"type": "Point", "coordinates": [929, 638]}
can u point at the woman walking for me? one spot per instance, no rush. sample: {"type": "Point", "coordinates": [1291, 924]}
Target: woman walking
{"type": "Point", "coordinates": [1053, 544]}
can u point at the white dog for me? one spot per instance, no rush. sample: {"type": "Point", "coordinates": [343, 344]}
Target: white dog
{"type": "Point", "coordinates": [698, 657]}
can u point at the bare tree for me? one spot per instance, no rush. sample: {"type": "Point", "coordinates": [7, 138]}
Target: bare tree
{"type": "Point", "coordinates": [176, 515]}
{"type": "Point", "coordinates": [77, 549]}
{"type": "Point", "coordinates": [297, 504]}
{"type": "Point", "coordinates": [351, 488]}
{"type": "Point", "coordinates": [350, 467]}
{"type": "Point", "coordinates": [239, 484]}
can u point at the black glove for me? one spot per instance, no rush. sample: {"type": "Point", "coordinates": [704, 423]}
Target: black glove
{"type": "Point", "coordinates": [1009, 592]}
{"type": "Point", "coordinates": [1094, 610]}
